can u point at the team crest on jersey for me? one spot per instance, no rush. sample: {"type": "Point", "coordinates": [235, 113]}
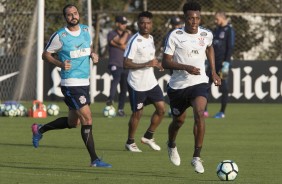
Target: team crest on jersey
{"type": "Point", "coordinates": [201, 41]}
{"type": "Point", "coordinates": [203, 34]}
{"type": "Point", "coordinates": [139, 40]}
{"type": "Point", "coordinates": [64, 34]}
{"type": "Point", "coordinates": [85, 29]}
{"type": "Point", "coordinates": [221, 34]}
{"type": "Point", "coordinates": [179, 32]}
{"type": "Point", "coordinates": [82, 99]}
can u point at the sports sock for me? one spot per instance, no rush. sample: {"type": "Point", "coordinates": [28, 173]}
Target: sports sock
{"type": "Point", "coordinates": [171, 144]}
{"type": "Point", "coordinates": [59, 123]}
{"type": "Point", "coordinates": [87, 137]}
{"type": "Point", "coordinates": [130, 141]}
{"type": "Point", "coordinates": [197, 151]}
{"type": "Point", "coordinates": [149, 134]}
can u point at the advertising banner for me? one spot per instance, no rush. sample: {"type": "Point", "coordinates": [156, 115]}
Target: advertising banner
{"type": "Point", "coordinates": [249, 82]}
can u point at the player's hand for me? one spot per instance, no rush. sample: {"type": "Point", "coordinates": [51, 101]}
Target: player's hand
{"type": "Point", "coordinates": [94, 57]}
{"type": "Point", "coordinates": [155, 63]}
{"type": "Point", "coordinates": [216, 79]}
{"type": "Point", "coordinates": [66, 65]}
{"type": "Point", "coordinates": [192, 70]}
{"type": "Point", "coordinates": [224, 70]}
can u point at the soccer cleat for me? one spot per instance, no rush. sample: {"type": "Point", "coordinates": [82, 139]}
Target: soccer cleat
{"type": "Point", "coordinates": [206, 114]}
{"type": "Point", "coordinates": [197, 164]}
{"type": "Point", "coordinates": [99, 163]}
{"type": "Point", "coordinates": [173, 155]}
{"type": "Point", "coordinates": [219, 115]}
{"type": "Point", "coordinates": [121, 113]}
{"type": "Point", "coordinates": [132, 147]}
{"type": "Point", "coordinates": [151, 143]}
{"type": "Point", "coordinates": [36, 135]}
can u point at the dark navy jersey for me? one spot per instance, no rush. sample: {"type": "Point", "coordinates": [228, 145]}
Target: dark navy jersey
{"type": "Point", "coordinates": [223, 44]}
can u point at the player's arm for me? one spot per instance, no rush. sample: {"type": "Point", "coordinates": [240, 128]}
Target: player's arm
{"type": "Point", "coordinates": [121, 40]}
{"type": "Point", "coordinates": [47, 56]}
{"type": "Point", "coordinates": [210, 55]}
{"type": "Point", "coordinates": [118, 45]}
{"type": "Point", "coordinates": [168, 63]}
{"type": "Point", "coordinates": [230, 42]}
{"type": "Point", "coordinates": [93, 55]}
{"type": "Point", "coordinates": [129, 64]}
{"type": "Point", "coordinates": [53, 46]}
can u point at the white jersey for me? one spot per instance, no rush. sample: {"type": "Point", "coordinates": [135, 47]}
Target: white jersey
{"type": "Point", "coordinates": [188, 49]}
{"type": "Point", "coordinates": [141, 50]}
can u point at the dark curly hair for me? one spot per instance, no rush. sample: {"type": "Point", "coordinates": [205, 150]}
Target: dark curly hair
{"type": "Point", "coordinates": [191, 6]}
{"type": "Point", "coordinates": [66, 7]}
{"type": "Point", "coordinates": [145, 14]}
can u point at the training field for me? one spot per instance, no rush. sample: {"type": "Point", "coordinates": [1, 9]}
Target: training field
{"type": "Point", "coordinates": [251, 135]}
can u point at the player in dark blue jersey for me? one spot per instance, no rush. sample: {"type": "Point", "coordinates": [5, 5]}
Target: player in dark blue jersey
{"type": "Point", "coordinates": [223, 44]}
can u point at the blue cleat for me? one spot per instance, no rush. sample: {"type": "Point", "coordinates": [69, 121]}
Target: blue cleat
{"type": "Point", "coordinates": [99, 163]}
{"type": "Point", "coordinates": [219, 115]}
{"type": "Point", "coordinates": [36, 135]}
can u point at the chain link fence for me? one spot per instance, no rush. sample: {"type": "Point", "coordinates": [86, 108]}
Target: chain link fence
{"type": "Point", "coordinates": [257, 23]}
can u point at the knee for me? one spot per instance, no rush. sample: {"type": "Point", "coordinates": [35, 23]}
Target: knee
{"type": "Point", "coordinates": [161, 111]}
{"type": "Point", "coordinates": [177, 124]}
{"type": "Point", "coordinates": [199, 116]}
{"type": "Point", "coordinates": [73, 125]}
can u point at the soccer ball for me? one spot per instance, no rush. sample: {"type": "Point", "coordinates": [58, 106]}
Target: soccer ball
{"type": "Point", "coordinates": [2, 109]}
{"type": "Point", "coordinates": [21, 110]}
{"type": "Point", "coordinates": [227, 170]}
{"type": "Point", "coordinates": [109, 111]}
{"type": "Point", "coordinates": [10, 110]}
{"type": "Point", "coordinates": [53, 109]}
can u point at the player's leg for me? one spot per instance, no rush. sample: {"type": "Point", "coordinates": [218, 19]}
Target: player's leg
{"type": "Point", "coordinates": [199, 123]}
{"type": "Point", "coordinates": [178, 106]}
{"type": "Point", "coordinates": [223, 88]}
{"type": "Point", "coordinates": [154, 95]}
{"type": "Point", "coordinates": [224, 97]}
{"type": "Point", "coordinates": [113, 88]}
{"type": "Point", "coordinates": [123, 92]}
{"type": "Point", "coordinates": [59, 123]}
{"type": "Point", "coordinates": [84, 114]}
{"type": "Point", "coordinates": [136, 99]}
{"type": "Point", "coordinates": [198, 104]}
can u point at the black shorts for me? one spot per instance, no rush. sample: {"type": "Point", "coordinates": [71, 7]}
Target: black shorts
{"type": "Point", "coordinates": [181, 99]}
{"type": "Point", "coordinates": [76, 96]}
{"type": "Point", "coordinates": [139, 99]}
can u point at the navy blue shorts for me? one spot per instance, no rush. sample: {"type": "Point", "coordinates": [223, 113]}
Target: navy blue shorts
{"type": "Point", "coordinates": [76, 96]}
{"type": "Point", "coordinates": [181, 99]}
{"type": "Point", "coordinates": [139, 99]}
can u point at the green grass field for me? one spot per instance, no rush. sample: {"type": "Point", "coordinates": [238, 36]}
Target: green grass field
{"type": "Point", "coordinates": [251, 135]}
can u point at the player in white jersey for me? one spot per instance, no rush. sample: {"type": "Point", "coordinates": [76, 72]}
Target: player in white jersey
{"type": "Point", "coordinates": [72, 44]}
{"type": "Point", "coordinates": [185, 52]}
{"type": "Point", "coordinates": [143, 86]}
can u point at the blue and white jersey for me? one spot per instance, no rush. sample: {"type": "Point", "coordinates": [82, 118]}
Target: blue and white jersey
{"type": "Point", "coordinates": [73, 46]}
{"type": "Point", "coordinates": [188, 49]}
{"type": "Point", "coordinates": [141, 50]}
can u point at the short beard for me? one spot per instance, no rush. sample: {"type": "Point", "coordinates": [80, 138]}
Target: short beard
{"type": "Point", "coordinates": [72, 24]}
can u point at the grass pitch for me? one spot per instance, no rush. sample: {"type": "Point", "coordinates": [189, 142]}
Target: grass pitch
{"type": "Point", "coordinates": [251, 135]}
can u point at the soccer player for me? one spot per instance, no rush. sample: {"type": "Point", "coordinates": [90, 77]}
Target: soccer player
{"type": "Point", "coordinates": [117, 40]}
{"type": "Point", "coordinates": [72, 44]}
{"type": "Point", "coordinates": [223, 43]}
{"type": "Point", "coordinates": [185, 53]}
{"type": "Point", "coordinates": [142, 84]}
